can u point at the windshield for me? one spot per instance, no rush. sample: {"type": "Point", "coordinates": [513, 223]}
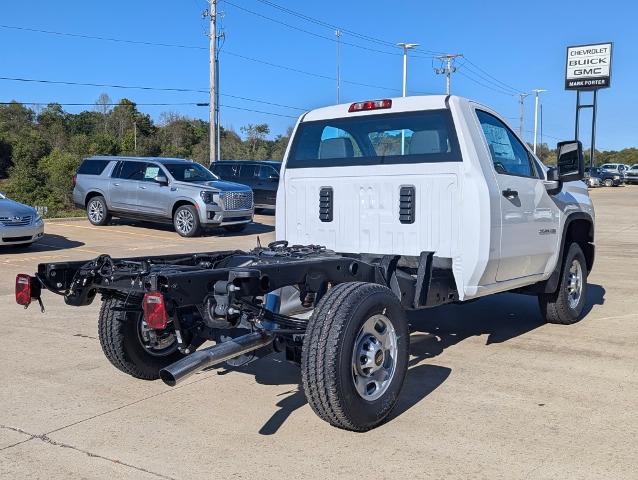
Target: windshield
{"type": "Point", "coordinates": [395, 138]}
{"type": "Point", "coordinates": [190, 172]}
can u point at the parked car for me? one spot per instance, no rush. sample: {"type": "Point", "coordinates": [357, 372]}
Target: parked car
{"type": "Point", "coordinates": [19, 224]}
{"type": "Point", "coordinates": [161, 189]}
{"type": "Point", "coordinates": [591, 181]}
{"type": "Point", "coordinates": [605, 177]}
{"type": "Point", "coordinates": [617, 168]}
{"type": "Point", "coordinates": [261, 176]}
{"type": "Point", "coordinates": [631, 175]}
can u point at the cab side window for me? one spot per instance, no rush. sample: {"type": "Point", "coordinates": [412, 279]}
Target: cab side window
{"type": "Point", "coordinates": [248, 171]}
{"type": "Point", "coordinates": [267, 172]}
{"type": "Point", "coordinates": [509, 155]}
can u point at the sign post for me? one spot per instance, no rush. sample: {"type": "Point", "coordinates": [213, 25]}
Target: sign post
{"type": "Point", "coordinates": [588, 68]}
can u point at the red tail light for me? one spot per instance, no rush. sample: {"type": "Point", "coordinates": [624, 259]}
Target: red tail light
{"type": "Point", "coordinates": [370, 105]}
{"type": "Point", "coordinates": [75, 180]}
{"type": "Point", "coordinates": [23, 289]}
{"type": "Point", "coordinates": [155, 314]}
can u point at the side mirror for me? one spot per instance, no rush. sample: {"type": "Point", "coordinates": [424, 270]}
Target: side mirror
{"type": "Point", "coordinates": [570, 163]}
{"type": "Point", "coordinates": [162, 180]}
{"type": "Point", "coordinates": [552, 184]}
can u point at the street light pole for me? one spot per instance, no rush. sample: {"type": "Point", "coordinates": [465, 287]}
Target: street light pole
{"type": "Point", "coordinates": [338, 35]}
{"type": "Point", "coordinates": [521, 118]}
{"type": "Point", "coordinates": [536, 92]}
{"type": "Point", "coordinates": [406, 47]}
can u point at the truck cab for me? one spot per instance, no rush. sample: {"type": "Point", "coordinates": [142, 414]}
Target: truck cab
{"type": "Point", "coordinates": [439, 174]}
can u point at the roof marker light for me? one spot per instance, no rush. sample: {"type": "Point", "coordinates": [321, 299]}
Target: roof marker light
{"type": "Point", "coordinates": [370, 105]}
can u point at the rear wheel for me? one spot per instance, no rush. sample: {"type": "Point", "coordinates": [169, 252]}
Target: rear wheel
{"type": "Point", "coordinates": [566, 304]}
{"type": "Point", "coordinates": [129, 345]}
{"type": "Point", "coordinates": [186, 221]}
{"type": "Point", "coordinates": [97, 211]}
{"type": "Point", "coordinates": [355, 355]}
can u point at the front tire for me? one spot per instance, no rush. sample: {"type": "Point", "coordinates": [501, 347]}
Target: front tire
{"type": "Point", "coordinates": [608, 182]}
{"type": "Point", "coordinates": [566, 304]}
{"type": "Point", "coordinates": [355, 355]}
{"type": "Point", "coordinates": [186, 221]}
{"type": "Point", "coordinates": [97, 211]}
{"type": "Point", "coordinates": [122, 339]}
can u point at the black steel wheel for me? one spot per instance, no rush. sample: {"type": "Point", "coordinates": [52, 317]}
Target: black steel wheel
{"type": "Point", "coordinates": [355, 355]}
{"type": "Point", "coordinates": [129, 345]}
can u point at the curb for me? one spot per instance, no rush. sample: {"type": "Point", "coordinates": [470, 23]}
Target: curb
{"type": "Point", "coordinates": [64, 219]}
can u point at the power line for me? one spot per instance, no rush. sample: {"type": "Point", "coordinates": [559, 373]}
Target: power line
{"type": "Point", "coordinates": [141, 87]}
{"type": "Point", "coordinates": [308, 32]}
{"type": "Point", "coordinates": [81, 104]}
{"type": "Point", "coordinates": [336, 27]}
{"type": "Point", "coordinates": [108, 39]}
{"type": "Point", "coordinates": [224, 52]}
{"type": "Point", "coordinates": [516, 90]}
{"type": "Point", "coordinates": [258, 111]}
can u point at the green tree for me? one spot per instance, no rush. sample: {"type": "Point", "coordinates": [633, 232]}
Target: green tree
{"type": "Point", "coordinates": [58, 169]}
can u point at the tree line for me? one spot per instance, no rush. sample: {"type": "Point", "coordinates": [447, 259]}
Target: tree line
{"type": "Point", "coordinates": [40, 151]}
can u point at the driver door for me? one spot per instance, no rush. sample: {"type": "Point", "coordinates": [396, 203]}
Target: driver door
{"type": "Point", "coordinates": [529, 217]}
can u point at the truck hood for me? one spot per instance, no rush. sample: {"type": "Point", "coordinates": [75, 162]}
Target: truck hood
{"type": "Point", "coordinates": [218, 185]}
{"type": "Point", "coordinates": [9, 208]}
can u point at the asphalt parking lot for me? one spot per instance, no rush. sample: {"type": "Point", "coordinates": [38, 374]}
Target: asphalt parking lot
{"type": "Point", "coordinates": [492, 392]}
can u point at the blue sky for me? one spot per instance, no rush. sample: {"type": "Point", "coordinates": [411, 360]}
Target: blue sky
{"type": "Point", "coordinates": [507, 44]}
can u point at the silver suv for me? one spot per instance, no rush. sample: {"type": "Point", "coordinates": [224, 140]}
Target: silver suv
{"type": "Point", "coordinates": [161, 189]}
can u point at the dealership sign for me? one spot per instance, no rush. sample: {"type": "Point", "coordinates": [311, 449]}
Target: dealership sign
{"type": "Point", "coordinates": [588, 67]}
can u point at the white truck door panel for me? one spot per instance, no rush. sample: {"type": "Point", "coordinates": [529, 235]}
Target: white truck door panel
{"type": "Point", "coordinates": [529, 217]}
{"type": "Point", "coordinates": [529, 228]}
{"type": "Point", "coordinates": [366, 212]}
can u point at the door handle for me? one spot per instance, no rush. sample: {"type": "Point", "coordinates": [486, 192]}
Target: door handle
{"type": "Point", "coordinates": [116, 184]}
{"type": "Point", "coordinates": [142, 188]}
{"type": "Point", "coordinates": [510, 194]}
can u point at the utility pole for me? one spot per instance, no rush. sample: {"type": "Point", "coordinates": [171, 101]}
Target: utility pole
{"type": "Point", "coordinates": [338, 35]}
{"type": "Point", "coordinates": [135, 136]}
{"type": "Point", "coordinates": [212, 64]}
{"type": "Point", "coordinates": [405, 46]}
{"type": "Point", "coordinates": [536, 92]}
{"type": "Point", "coordinates": [448, 69]}
{"type": "Point", "coordinates": [521, 118]}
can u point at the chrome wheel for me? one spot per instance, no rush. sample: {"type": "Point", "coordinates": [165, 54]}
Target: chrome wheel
{"type": "Point", "coordinates": [574, 284]}
{"type": "Point", "coordinates": [374, 357]}
{"type": "Point", "coordinates": [184, 222]}
{"type": "Point", "coordinates": [158, 343]}
{"type": "Point", "coordinates": [96, 211]}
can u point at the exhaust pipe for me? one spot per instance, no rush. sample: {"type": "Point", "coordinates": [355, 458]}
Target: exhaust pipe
{"type": "Point", "coordinates": [208, 357]}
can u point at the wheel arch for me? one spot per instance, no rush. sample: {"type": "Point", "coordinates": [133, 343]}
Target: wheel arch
{"type": "Point", "coordinates": [93, 194]}
{"type": "Point", "coordinates": [578, 228]}
{"type": "Point", "coordinates": [181, 203]}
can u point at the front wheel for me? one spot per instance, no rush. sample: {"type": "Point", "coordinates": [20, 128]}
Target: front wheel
{"type": "Point", "coordinates": [130, 346]}
{"type": "Point", "coordinates": [608, 182]}
{"type": "Point", "coordinates": [355, 355]}
{"type": "Point", "coordinates": [566, 304]}
{"type": "Point", "coordinates": [186, 221]}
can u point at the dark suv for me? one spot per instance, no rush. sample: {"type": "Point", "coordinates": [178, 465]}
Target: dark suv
{"type": "Point", "coordinates": [261, 176]}
{"type": "Point", "coordinates": [607, 178]}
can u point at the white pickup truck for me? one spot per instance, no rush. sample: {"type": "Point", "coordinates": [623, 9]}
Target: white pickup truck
{"type": "Point", "coordinates": [383, 206]}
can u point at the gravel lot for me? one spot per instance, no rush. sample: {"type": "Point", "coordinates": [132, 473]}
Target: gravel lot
{"type": "Point", "coordinates": [491, 393]}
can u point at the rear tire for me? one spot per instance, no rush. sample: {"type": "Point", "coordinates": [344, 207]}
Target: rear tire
{"type": "Point", "coordinates": [121, 343]}
{"type": "Point", "coordinates": [566, 304]}
{"type": "Point", "coordinates": [186, 221]}
{"type": "Point", "coordinates": [355, 355]}
{"type": "Point", "coordinates": [97, 211]}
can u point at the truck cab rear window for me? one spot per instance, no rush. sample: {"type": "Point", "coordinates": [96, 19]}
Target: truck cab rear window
{"type": "Point", "coordinates": [92, 167]}
{"type": "Point", "coordinates": [395, 138]}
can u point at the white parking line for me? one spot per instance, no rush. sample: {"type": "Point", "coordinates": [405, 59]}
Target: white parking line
{"type": "Point", "coordinates": [112, 230]}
